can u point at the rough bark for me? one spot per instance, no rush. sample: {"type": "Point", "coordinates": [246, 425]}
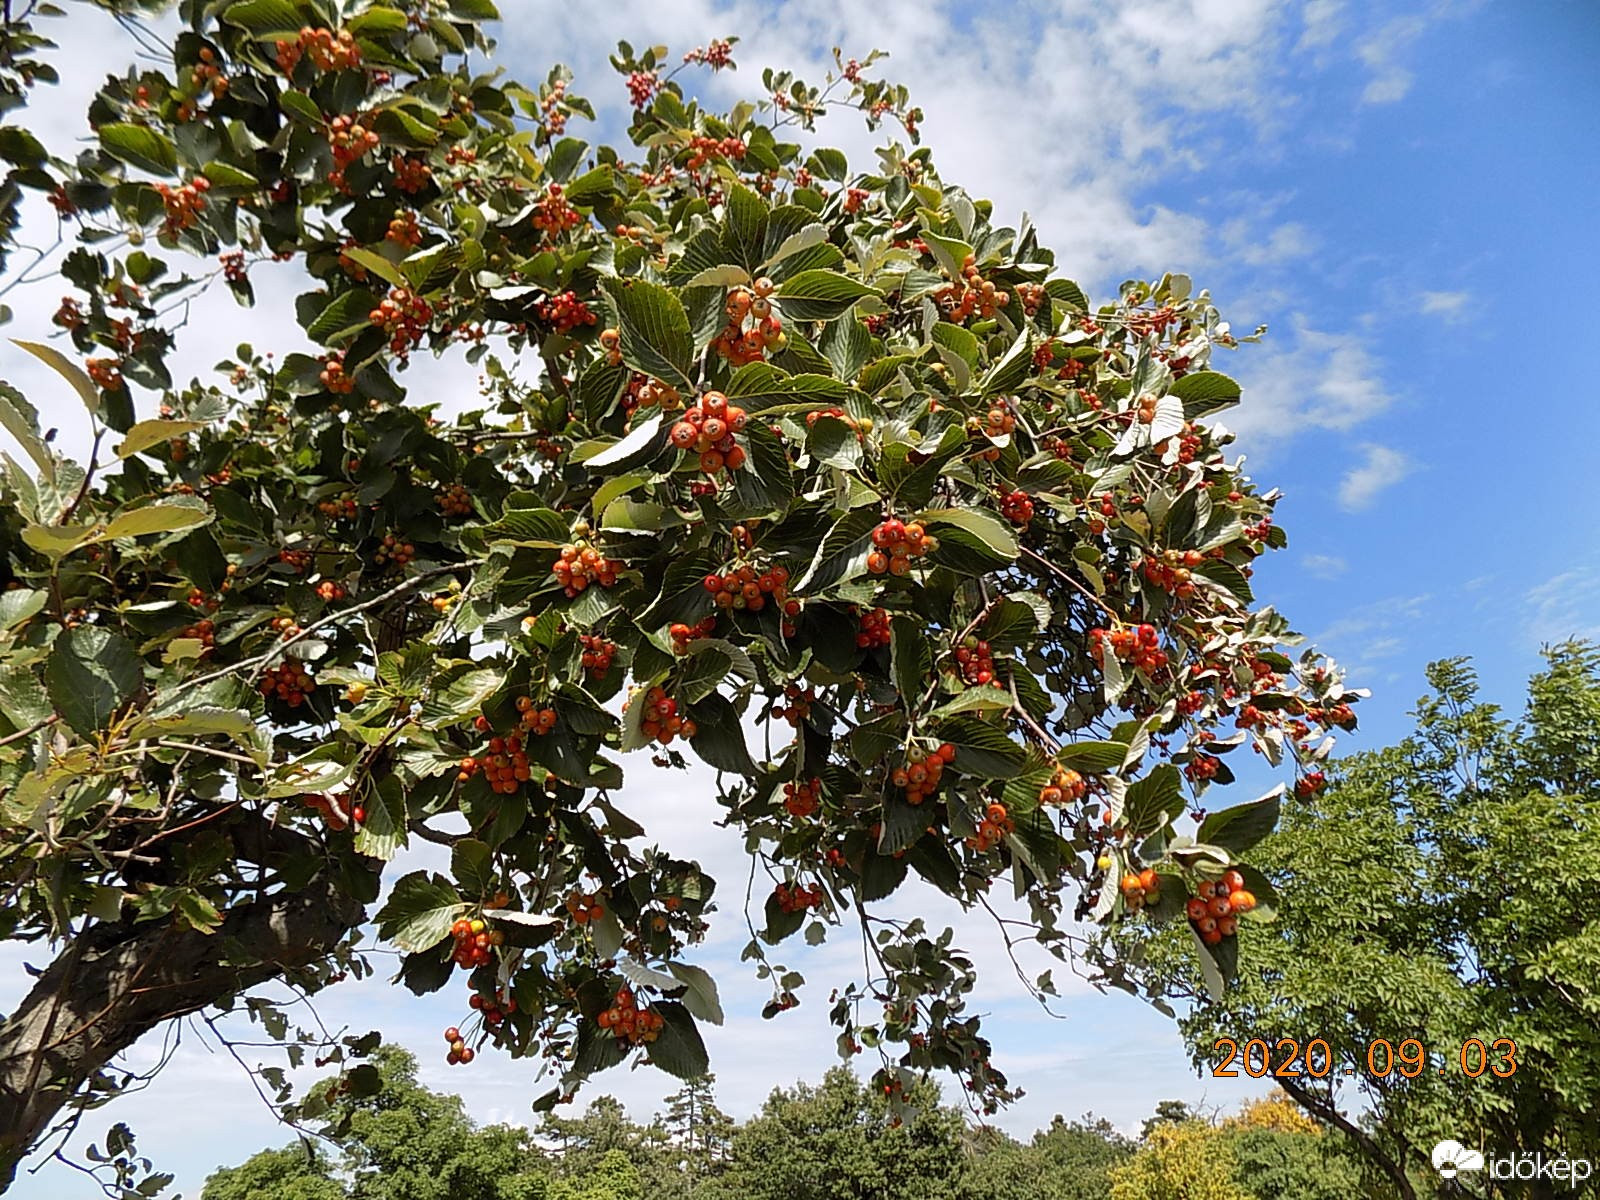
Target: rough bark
{"type": "Point", "coordinates": [115, 982]}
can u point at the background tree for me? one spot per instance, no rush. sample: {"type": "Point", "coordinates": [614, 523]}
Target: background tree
{"type": "Point", "coordinates": [1067, 1161]}
{"type": "Point", "coordinates": [400, 1141]}
{"type": "Point", "coordinates": [842, 1138]}
{"type": "Point", "coordinates": [763, 440]}
{"type": "Point", "coordinates": [700, 1129]}
{"type": "Point", "coordinates": [1439, 896]}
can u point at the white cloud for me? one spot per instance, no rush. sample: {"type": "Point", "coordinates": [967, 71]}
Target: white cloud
{"type": "Point", "coordinates": [1323, 566]}
{"type": "Point", "coordinates": [1384, 467]}
{"type": "Point", "coordinates": [1448, 305]}
{"type": "Point", "coordinates": [1563, 607]}
{"type": "Point", "coordinates": [1315, 380]}
{"type": "Point", "coordinates": [1320, 24]}
{"type": "Point", "coordinates": [1390, 80]}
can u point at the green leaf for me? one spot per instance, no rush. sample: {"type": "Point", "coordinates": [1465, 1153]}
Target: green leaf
{"type": "Point", "coordinates": [55, 542]}
{"type": "Point", "coordinates": [957, 339]}
{"type": "Point", "coordinates": [90, 674]}
{"type": "Point", "coordinates": [974, 699]}
{"type": "Point", "coordinates": [982, 749]}
{"type": "Point", "coordinates": [140, 146]}
{"type": "Point", "coordinates": [266, 20]}
{"type": "Point", "coordinates": [67, 369]}
{"type": "Point", "coordinates": [645, 440]}
{"type": "Point", "coordinates": [1012, 370]}
{"type": "Point", "coordinates": [655, 330]}
{"type": "Point", "coordinates": [419, 911]}
{"type": "Point", "coordinates": [169, 516]}
{"type": "Point", "coordinates": [683, 596]}
{"type": "Point", "coordinates": [1068, 293]}
{"type": "Point", "coordinates": [378, 265]}
{"type": "Point", "coordinates": [472, 863]}
{"type": "Point", "coordinates": [196, 911]}
{"type": "Point", "coordinates": [910, 657]}
{"type": "Point", "coordinates": [700, 996]}
{"type": "Point", "coordinates": [821, 295]}
{"type": "Point", "coordinates": [19, 419]}
{"type": "Point", "coordinates": [592, 186]}
{"type": "Point", "coordinates": [1239, 828]}
{"type": "Point", "coordinates": [759, 386]}
{"type": "Point", "coordinates": [1227, 577]}
{"type": "Point", "coordinates": [987, 528]}
{"type": "Point", "coordinates": [461, 697]}
{"type": "Point", "coordinates": [1093, 756]}
{"type": "Point", "coordinates": [804, 238]}
{"type": "Point", "coordinates": [19, 604]}
{"type": "Point", "coordinates": [383, 832]}
{"type": "Point", "coordinates": [151, 433]}
{"type": "Point", "coordinates": [1153, 801]}
{"type": "Point", "coordinates": [843, 551]}
{"type": "Point", "coordinates": [678, 1049]}
{"type": "Point", "coordinates": [1205, 392]}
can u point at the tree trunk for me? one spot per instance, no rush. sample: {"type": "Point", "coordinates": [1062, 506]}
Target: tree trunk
{"type": "Point", "coordinates": [117, 981]}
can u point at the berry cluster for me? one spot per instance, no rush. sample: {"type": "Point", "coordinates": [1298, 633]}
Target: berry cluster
{"type": "Point", "coordinates": [454, 501]}
{"type": "Point", "coordinates": [661, 722]}
{"type": "Point", "coordinates": [1141, 889]}
{"type": "Point", "coordinates": [474, 941]}
{"type": "Point", "coordinates": [331, 590]}
{"type": "Point", "coordinates": [1016, 507]}
{"type": "Point", "coordinates": [494, 1008]}
{"type": "Point", "coordinates": [555, 120]}
{"type": "Point", "coordinates": [581, 565]}
{"type": "Point", "coordinates": [708, 429]}
{"type": "Point", "coordinates": [992, 829]}
{"type": "Point", "coordinates": [628, 1022]}
{"type": "Point", "coordinates": [716, 56]}
{"type": "Point", "coordinates": [611, 343]}
{"type": "Point", "coordinates": [1214, 910]}
{"type": "Point", "coordinates": [503, 764]}
{"type": "Point", "coordinates": [854, 198]}
{"type": "Point", "coordinates": [333, 375]}
{"type": "Point", "coordinates": [1065, 786]}
{"type": "Point", "coordinates": [348, 140]}
{"type": "Point", "coordinates": [642, 390]}
{"type": "Point", "coordinates": [740, 345]}
{"type": "Point", "coordinates": [393, 550]}
{"type": "Point", "coordinates": [203, 631]}
{"type": "Point", "coordinates": [874, 630]}
{"type": "Point", "coordinates": [1033, 298]}
{"type": "Point", "coordinates": [460, 1052]}
{"type": "Point", "coordinates": [183, 205]}
{"type": "Point", "coordinates": [802, 799]}
{"type": "Point", "coordinates": [411, 175]}
{"type": "Point", "coordinates": [537, 721]}
{"type": "Point", "coordinates": [405, 317]}
{"type": "Point", "coordinates": [1172, 572]}
{"type": "Point", "coordinates": [1310, 784]}
{"type": "Point", "coordinates": [403, 230]}
{"type": "Point", "coordinates": [1137, 646]}
{"type": "Point", "coordinates": [565, 312]}
{"type": "Point", "coordinates": [704, 149]}
{"type": "Point", "coordinates": [972, 295]}
{"type": "Point", "coordinates": [1202, 767]}
{"type": "Point", "coordinates": [641, 86]}
{"type": "Point", "coordinates": [339, 508]}
{"type": "Point", "coordinates": [289, 681]}
{"type": "Point", "coordinates": [327, 50]}
{"type": "Point", "coordinates": [799, 706]}
{"type": "Point", "coordinates": [233, 268]}
{"type": "Point", "coordinates": [795, 898]}
{"type": "Point", "coordinates": [584, 907]}
{"type": "Point", "coordinates": [682, 634]}
{"type": "Point", "coordinates": [597, 653]}
{"type": "Point", "coordinates": [862, 428]}
{"type": "Point", "coordinates": [553, 215]}
{"type": "Point", "coordinates": [975, 657]}
{"type": "Point", "coordinates": [897, 544]}
{"type": "Point", "coordinates": [922, 771]}
{"type": "Point", "coordinates": [745, 587]}
{"type": "Point", "coordinates": [106, 373]}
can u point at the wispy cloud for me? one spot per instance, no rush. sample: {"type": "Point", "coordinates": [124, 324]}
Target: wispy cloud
{"type": "Point", "coordinates": [1391, 80]}
{"type": "Point", "coordinates": [1317, 380]}
{"type": "Point", "coordinates": [1449, 305]}
{"type": "Point", "coordinates": [1564, 606]}
{"type": "Point", "coordinates": [1323, 566]}
{"type": "Point", "coordinates": [1384, 467]}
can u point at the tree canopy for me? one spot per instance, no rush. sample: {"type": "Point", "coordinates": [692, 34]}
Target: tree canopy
{"type": "Point", "coordinates": [762, 442]}
{"type": "Point", "coordinates": [1436, 936]}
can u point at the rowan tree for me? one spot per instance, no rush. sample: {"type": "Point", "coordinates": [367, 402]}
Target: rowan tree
{"type": "Point", "coordinates": [761, 441]}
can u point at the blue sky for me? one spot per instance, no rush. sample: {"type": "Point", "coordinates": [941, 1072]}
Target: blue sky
{"type": "Point", "coordinates": [1403, 192]}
